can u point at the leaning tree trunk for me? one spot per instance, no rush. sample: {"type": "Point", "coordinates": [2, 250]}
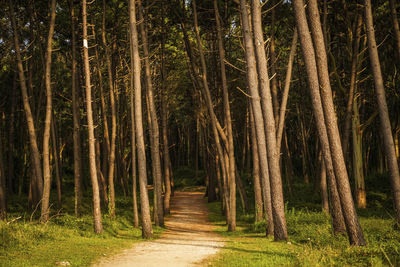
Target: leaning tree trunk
{"type": "Point", "coordinates": [147, 230]}
{"type": "Point", "coordinates": [252, 80]}
{"type": "Point", "coordinates": [349, 212]}
{"type": "Point", "coordinates": [278, 205]}
{"type": "Point", "coordinates": [37, 180]}
{"type": "Point", "coordinates": [154, 127]}
{"type": "Point", "coordinates": [383, 109]}
{"type": "Point", "coordinates": [228, 120]}
{"type": "Point", "coordinates": [98, 226]}
{"type": "Point", "coordinates": [311, 69]}
{"type": "Point", "coordinates": [396, 27]}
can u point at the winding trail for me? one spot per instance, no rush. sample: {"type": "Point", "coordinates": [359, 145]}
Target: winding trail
{"type": "Point", "coordinates": [188, 240]}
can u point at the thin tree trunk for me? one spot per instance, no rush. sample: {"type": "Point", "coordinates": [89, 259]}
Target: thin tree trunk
{"type": "Point", "coordinates": [133, 141]}
{"type": "Point", "coordinates": [258, 199]}
{"type": "Point", "coordinates": [353, 227]}
{"type": "Point", "coordinates": [3, 197]}
{"type": "Point", "coordinates": [154, 127]}
{"type": "Point", "coordinates": [111, 163]}
{"type": "Point", "coordinates": [76, 118]}
{"type": "Point", "coordinates": [147, 231]}
{"type": "Point", "coordinates": [98, 227]}
{"type": "Point", "coordinates": [257, 112]}
{"type": "Point", "coordinates": [274, 78]}
{"type": "Point", "coordinates": [231, 215]}
{"type": "Point", "coordinates": [37, 180]}
{"type": "Point", "coordinates": [228, 124]}
{"type": "Point", "coordinates": [11, 139]}
{"type": "Point", "coordinates": [309, 60]}
{"type": "Point", "coordinates": [353, 80]}
{"type": "Point", "coordinates": [285, 93]}
{"type": "Point", "coordinates": [383, 109]}
{"type": "Point", "coordinates": [56, 163]}
{"type": "Point", "coordinates": [278, 205]}
{"type": "Point", "coordinates": [164, 122]}
{"type": "Point", "coordinates": [396, 27]}
{"type": "Point", "coordinates": [47, 123]}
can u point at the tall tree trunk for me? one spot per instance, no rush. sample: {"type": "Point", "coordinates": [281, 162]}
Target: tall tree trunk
{"type": "Point", "coordinates": [353, 226]}
{"type": "Point", "coordinates": [358, 168]}
{"type": "Point", "coordinates": [228, 121]}
{"type": "Point", "coordinates": [3, 198]}
{"type": "Point", "coordinates": [278, 205]}
{"type": "Point", "coordinates": [154, 127]}
{"type": "Point", "coordinates": [309, 60]}
{"type": "Point", "coordinates": [98, 226]}
{"type": "Point", "coordinates": [47, 123]}
{"type": "Point", "coordinates": [383, 109]}
{"type": "Point", "coordinates": [133, 141]}
{"type": "Point", "coordinates": [164, 121]}
{"type": "Point", "coordinates": [231, 215]}
{"type": "Point", "coordinates": [396, 27]}
{"type": "Point", "coordinates": [323, 186]}
{"type": "Point", "coordinates": [111, 164]}
{"type": "Point", "coordinates": [11, 139]}
{"type": "Point", "coordinates": [353, 80]}
{"type": "Point", "coordinates": [274, 78]}
{"type": "Point", "coordinates": [56, 162]}
{"type": "Point", "coordinates": [147, 231]}
{"type": "Point", "coordinates": [37, 180]}
{"type": "Point", "coordinates": [252, 80]}
{"type": "Point", "coordinates": [258, 205]}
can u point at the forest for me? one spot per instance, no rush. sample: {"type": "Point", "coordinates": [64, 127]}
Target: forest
{"type": "Point", "coordinates": [269, 127]}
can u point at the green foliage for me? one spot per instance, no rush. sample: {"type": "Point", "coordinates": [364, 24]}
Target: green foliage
{"type": "Point", "coordinates": [185, 176]}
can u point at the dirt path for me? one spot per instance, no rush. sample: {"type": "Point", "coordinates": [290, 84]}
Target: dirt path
{"type": "Point", "coordinates": [188, 240]}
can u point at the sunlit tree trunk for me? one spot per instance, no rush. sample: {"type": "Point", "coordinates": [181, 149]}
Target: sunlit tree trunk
{"type": "Point", "coordinates": [386, 128]}
{"type": "Point", "coordinates": [311, 69]}
{"type": "Point", "coordinates": [98, 226]}
{"type": "Point", "coordinates": [147, 230]}
{"type": "Point", "coordinates": [154, 127]}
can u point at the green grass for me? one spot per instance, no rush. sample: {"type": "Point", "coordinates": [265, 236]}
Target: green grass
{"type": "Point", "coordinates": [65, 238]}
{"type": "Point", "coordinates": [311, 242]}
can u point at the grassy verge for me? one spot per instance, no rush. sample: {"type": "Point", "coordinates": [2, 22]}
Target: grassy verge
{"type": "Point", "coordinates": [66, 238]}
{"type": "Point", "coordinates": [311, 242]}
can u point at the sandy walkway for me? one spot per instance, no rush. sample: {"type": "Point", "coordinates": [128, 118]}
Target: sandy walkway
{"type": "Point", "coordinates": [188, 240]}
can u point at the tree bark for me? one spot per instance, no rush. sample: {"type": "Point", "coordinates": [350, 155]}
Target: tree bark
{"type": "Point", "coordinates": [154, 127]}
{"type": "Point", "coordinates": [56, 162]}
{"type": "Point", "coordinates": [396, 27]}
{"type": "Point", "coordinates": [383, 109]}
{"type": "Point", "coordinates": [252, 80]}
{"type": "Point", "coordinates": [228, 121]}
{"type": "Point", "coordinates": [353, 227]}
{"type": "Point", "coordinates": [147, 231]}
{"type": "Point", "coordinates": [98, 227]}
{"type": "Point", "coordinates": [311, 69]}
{"type": "Point", "coordinates": [3, 197]}
{"type": "Point", "coordinates": [278, 205]}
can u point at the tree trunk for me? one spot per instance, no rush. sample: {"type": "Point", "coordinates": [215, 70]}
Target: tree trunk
{"type": "Point", "coordinates": [383, 109]}
{"type": "Point", "coordinates": [352, 225]}
{"type": "Point", "coordinates": [228, 123]}
{"type": "Point", "coordinates": [98, 227]}
{"type": "Point", "coordinates": [274, 78]}
{"type": "Point", "coordinates": [396, 27]}
{"type": "Point", "coordinates": [111, 163]}
{"type": "Point", "coordinates": [37, 180]}
{"type": "Point", "coordinates": [11, 139]}
{"type": "Point", "coordinates": [353, 80]}
{"type": "Point", "coordinates": [154, 127]}
{"type": "Point", "coordinates": [133, 141]}
{"type": "Point", "coordinates": [147, 231]}
{"type": "Point", "coordinates": [278, 205]}
{"type": "Point", "coordinates": [164, 122]}
{"type": "Point", "coordinates": [47, 123]}
{"type": "Point", "coordinates": [309, 60]}
{"type": "Point", "coordinates": [3, 198]}
{"type": "Point", "coordinates": [56, 163]}
{"type": "Point", "coordinates": [252, 80]}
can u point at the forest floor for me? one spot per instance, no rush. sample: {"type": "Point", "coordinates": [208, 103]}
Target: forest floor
{"type": "Point", "coordinates": [189, 238]}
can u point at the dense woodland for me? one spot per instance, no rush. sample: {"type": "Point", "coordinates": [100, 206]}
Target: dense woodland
{"type": "Point", "coordinates": [101, 99]}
